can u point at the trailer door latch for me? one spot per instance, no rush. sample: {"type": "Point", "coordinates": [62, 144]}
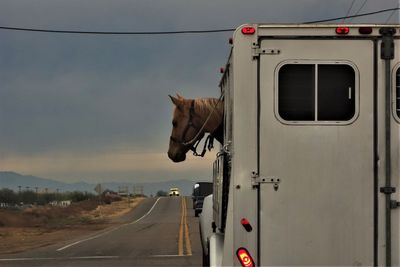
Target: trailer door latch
{"type": "Point", "coordinates": [387, 190]}
{"type": "Point", "coordinates": [256, 180]}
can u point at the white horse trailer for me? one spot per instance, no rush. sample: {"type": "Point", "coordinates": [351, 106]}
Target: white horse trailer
{"type": "Point", "coordinates": [309, 171]}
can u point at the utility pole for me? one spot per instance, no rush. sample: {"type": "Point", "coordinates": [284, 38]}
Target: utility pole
{"type": "Point", "coordinates": [127, 191]}
{"type": "Point", "coordinates": [138, 190]}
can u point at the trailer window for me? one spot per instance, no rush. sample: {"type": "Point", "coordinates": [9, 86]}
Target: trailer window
{"type": "Point", "coordinates": [316, 92]}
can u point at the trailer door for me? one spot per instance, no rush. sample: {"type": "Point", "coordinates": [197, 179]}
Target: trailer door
{"type": "Point", "coordinates": [316, 152]}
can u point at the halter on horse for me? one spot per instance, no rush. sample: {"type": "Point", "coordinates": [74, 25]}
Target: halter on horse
{"type": "Point", "coordinates": [187, 136]}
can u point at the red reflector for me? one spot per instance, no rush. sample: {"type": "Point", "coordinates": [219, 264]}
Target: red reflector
{"type": "Point", "coordinates": [342, 30]}
{"type": "Point", "coordinates": [248, 30]}
{"type": "Point", "coordinates": [244, 221]}
{"type": "Point", "coordinates": [246, 224]}
{"type": "Point", "coordinates": [245, 257]}
{"type": "Point", "coordinates": [365, 30]}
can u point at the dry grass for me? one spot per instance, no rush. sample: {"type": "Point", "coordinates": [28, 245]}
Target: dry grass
{"type": "Point", "coordinates": [42, 226]}
{"type": "Point", "coordinates": [46, 216]}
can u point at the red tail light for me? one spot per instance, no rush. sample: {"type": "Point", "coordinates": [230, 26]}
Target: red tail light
{"type": "Point", "coordinates": [245, 257]}
{"type": "Point", "coordinates": [248, 30]}
{"type": "Point", "coordinates": [342, 30]}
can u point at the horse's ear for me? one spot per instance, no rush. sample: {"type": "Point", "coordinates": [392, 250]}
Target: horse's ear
{"type": "Point", "coordinates": [179, 96]}
{"type": "Point", "coordinates": [175, 100]}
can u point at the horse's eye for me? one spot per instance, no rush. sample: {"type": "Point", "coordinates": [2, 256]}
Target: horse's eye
{"type": "Point", "coordinates": [174, 123]}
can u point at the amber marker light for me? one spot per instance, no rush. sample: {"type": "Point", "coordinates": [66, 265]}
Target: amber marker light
{"type": "Point", "coordinates": [245, 258]}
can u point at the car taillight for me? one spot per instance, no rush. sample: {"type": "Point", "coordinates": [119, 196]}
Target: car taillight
{"type": "Point", "coordinates": [244, 257]}
{"type": "Point", "coordinates": [342, 30]}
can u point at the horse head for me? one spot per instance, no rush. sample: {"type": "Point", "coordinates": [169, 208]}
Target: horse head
{"type": "Point", "coordinates": [184, 130]}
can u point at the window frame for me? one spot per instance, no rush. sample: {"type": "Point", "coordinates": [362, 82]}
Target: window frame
{"type": "Point", "coordinates": [396, 69]}
{"type": "Point", "coordinates": [316, 63]}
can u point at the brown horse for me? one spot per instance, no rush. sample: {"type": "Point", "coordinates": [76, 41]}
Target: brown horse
{"type": "Point", "coordinates": [192, 118]}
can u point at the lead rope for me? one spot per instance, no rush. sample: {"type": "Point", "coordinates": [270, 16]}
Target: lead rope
{"type": "Point", "coordinates": [209, 146]}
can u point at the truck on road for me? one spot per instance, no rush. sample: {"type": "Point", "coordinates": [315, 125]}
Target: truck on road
{"type": "Point", "coordinates": [309, 170]}
{"type": "Point", "coordinates": [200, 191]}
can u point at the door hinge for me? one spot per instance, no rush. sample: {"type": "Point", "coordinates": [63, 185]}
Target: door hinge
{"type": "Point", "coordinates": [256, 180]}
{"type": "Point", "coordinates": [394, 204]}
{"type": "Point", "coordinates": [257, 51]}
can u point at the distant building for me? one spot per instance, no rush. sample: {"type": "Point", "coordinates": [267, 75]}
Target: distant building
{"type": "Point", "coordinates": [63, 203]}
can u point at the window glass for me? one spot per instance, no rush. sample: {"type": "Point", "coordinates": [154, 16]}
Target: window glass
{"type": "Point", "coordinates": [296, 92]}
{"type": "Point", "coordinates": [336, 92]}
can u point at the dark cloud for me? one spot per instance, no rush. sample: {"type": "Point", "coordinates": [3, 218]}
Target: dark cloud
{"type": "Point", "coordinates": [90, 94]}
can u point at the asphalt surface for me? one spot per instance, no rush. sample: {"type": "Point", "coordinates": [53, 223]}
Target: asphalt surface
{"type": "Point", "coordinates": [160, 232]}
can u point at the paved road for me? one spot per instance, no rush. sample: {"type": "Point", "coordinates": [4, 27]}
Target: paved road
{"type": "Point", "coordinates": [161, 232]}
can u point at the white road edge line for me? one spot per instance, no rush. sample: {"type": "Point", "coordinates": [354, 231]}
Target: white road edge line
{"type": "Point", "coordinates": [147, 212]}
{"type": "Point", "coordinates": [112, 230]}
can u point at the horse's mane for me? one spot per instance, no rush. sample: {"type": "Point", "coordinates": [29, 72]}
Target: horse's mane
{"type": "Point", "coordinates": [205, 105]}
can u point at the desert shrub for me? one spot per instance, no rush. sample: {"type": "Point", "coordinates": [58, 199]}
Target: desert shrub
{"type": "Point", "coordinates": [161, 193]}
{"type": "Point", "coordinates": [28, 197]}
{"type": "Point", "coordinates": [8, 196]}
{"type": "Point", "coordinates": [78, 196]}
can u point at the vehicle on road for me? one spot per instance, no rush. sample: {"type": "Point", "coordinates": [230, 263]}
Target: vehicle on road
{"type": "Point", "coordinates": [200, 190]}
{"type": "Point", "coordinates": [308, 171]}
{"type": "Point", "coordinates": [174, 192]}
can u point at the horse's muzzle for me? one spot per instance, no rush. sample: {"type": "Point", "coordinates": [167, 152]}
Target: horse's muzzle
{"type": "Point", "coordinates": [177, 157]}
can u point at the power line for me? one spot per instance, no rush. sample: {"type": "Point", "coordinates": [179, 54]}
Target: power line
{"type": "Point", "coordinates": [348, 11]}
{"type": "Point", "coordinates": [358, 11]}
{"type": "Point", "coordinates": [115, 32]}
{"type": "Point", "coordinates": [177, 32]}
{"type": "Point", "coordinates": [390, 16]}
{"type": "Point", "coordinates": [355, 16]}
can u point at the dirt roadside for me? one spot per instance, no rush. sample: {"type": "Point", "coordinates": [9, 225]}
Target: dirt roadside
{"type": "Point", "coordinates": [47, 226]}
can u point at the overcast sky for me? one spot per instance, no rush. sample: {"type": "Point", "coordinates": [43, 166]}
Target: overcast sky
{"type": "Point", "coordinates": [96, 108]}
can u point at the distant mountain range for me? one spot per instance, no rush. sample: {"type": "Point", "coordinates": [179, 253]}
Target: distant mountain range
{"type": "Point", "coordinates": [13, 180]}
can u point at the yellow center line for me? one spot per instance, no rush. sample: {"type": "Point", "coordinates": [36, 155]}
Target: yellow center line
{"type": "Point", "coordinates": [184, 230]}
{"type": "Point", "coordinates": [187, 237]}
{"type": "Point", "coordinates": [180, 238]}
